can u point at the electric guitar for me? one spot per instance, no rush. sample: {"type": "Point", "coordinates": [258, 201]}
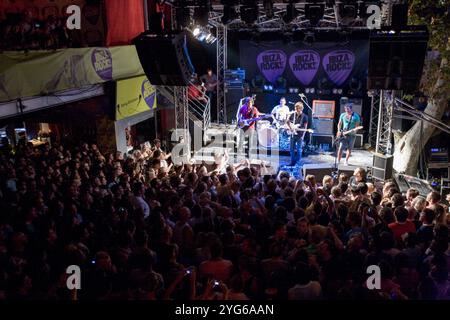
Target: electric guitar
{"type": "Point", "coordinates": [296, 129]}
{"type": "Point", "coordinates": [343, 134]}
{"type": "Point", "coordinates": [244, 123]}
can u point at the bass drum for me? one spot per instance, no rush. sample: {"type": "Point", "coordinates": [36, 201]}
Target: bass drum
{"type": "Point", "coordinates": [268, 137]}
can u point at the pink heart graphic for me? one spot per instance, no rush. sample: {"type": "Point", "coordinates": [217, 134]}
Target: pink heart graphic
{"type": "Point", "coordinates": [304, 65]}
{"type": "Point", "coordinates": [339, 65]}
{"type": "Point", "coordinates": [272, 64]}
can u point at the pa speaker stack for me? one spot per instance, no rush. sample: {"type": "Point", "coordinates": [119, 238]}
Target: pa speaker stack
{"type": "Point", "coordinates": [165, 58]}
{"type": "Point", "coordinates": [397, 57]}
{"type": "Point", "coordinates": [382, 168]}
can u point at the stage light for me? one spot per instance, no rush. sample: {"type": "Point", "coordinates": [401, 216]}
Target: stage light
{"type": "Point", "coordinates": [268, 8]}
{"type": "Point", "coordinates": [293, 90]}
{"type": "Point", "coordinates": [312, 90]}
{"type": "Point", "coordinates": [348, 9]}
{"type": "Point", "coordinates": [314, 13]}
{"type": "Point", "coordinates": [249, 11]}
{"type": "Point", "coordinates": [229, 11]}
{"type": "Point", "coordinates": [196, 31]}
{"type": "Point", "coordinates": [291, 12]}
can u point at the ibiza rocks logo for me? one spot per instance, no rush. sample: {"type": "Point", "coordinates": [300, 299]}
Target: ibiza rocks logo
{"type": "Point", "coordinates": [304, 65]}
{"type": "Point", "coordinates": [102, 63]}
{"type": "Point", "coordinates": [148, 93]}
{"type": "Point", "coordinates": [339, 65]}
{"type": "Point", "coordinates": [272, 64]}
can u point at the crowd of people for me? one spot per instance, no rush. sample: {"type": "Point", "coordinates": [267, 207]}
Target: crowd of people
{"type": "Point", "coordinates": [20, 31]}
{"type": "Point", "coordinates": [141, 228]}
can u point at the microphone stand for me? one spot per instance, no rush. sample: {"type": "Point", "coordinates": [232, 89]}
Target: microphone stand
{"type": "Point", "coordinates": [305, 101]}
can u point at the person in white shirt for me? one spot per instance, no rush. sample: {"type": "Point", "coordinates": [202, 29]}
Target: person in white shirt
{"type": "Point", "coordinates": [281, 112]}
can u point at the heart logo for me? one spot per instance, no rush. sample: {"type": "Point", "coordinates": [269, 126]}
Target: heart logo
{"type": "Point", "coordinates": [102, 62]}
{"type": "Point", "coordinates": [304, 65]}
{"type": "Point", "coordinates": [148, 92]}
{"type": "Point", "coordinates": [339, 65]}
{"type": "Point", "coordinates": [271, 63]}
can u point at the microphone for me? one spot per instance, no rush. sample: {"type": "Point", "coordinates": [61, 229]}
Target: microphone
{"type": "Point", "coordinates": [301, 95]}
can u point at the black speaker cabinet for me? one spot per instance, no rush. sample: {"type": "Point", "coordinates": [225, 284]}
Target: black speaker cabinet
{"type": "Point", "coordinates": [396, 58]}
{"type": "Point", "coordinates": [233, 97]}
{"type": "Point", "coordinates": [318, 170]}
{"type": "Point", "coordinates": [382, 168]}
{"type": "Point", "coordinates": [323, 126]}
{"type": "Point", "coordinates": [165, 59]}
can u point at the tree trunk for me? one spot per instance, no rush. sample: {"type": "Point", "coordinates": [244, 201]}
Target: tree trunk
{"type": "Point", "coordinates": [408, 148]}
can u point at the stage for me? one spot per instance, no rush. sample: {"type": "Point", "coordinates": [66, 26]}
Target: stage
{"type": "Point", "coordinates": [316, 160]}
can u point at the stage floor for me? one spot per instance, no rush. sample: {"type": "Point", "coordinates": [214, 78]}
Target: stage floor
{"type": "Point", "coordinates": [359, 158]}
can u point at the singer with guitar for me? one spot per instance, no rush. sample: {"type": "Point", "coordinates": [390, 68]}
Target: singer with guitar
{"type": "Point", "coordinates": [297, 124]}
{"type": "Point", "coordinates": [349, 123]}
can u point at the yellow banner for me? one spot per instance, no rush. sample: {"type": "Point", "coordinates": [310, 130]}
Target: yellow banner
{"type": "Point", "coordinates": [43, 72]}
{"type": "Point", "coordinates": [134, 96]}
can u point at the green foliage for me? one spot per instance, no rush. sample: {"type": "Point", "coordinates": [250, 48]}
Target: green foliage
{"type": "Point", "coordinates": [435, 14]}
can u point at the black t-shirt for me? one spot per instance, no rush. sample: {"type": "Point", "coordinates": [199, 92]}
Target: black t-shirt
{"type": "Point", "coordinates": [302, 120]}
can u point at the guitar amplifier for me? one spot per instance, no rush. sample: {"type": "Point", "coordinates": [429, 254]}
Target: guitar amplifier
{"type": "Point", "coordinates": [323, 126]}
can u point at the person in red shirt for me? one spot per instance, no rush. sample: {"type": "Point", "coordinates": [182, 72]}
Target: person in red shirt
{"type": "Point", "coordinates": [248, 111]}
{"type": "Point", "coordinates": [402, 225]}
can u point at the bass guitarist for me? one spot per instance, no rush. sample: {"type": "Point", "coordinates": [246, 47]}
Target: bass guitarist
{"type": "Point", "coordinates": [349, 122]}
{"type": "Point", "coordinates": [248, 111]}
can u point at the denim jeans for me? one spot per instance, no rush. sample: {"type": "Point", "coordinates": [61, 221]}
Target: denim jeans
{"type": "Point", "coordinates": [296, 145]}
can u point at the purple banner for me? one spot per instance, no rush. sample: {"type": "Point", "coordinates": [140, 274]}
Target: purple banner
{"type": "Point", "coordinates": [339, 65]}
{"type": "Point", "coordinates": [271, 63]}
{"type": "Point", "coordinates": [304, 65]}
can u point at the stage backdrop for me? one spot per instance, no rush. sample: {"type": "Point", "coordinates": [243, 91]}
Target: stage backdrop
{"type": "Point", "coordinates": [305, 65]}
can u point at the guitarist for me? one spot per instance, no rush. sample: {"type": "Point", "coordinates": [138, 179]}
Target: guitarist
{"type": "Point", "coordinates": [248, 111]}
{"type": "Point", "coordinates": [301, 120]}
{"type": "Point", "coordinates": [348, 120]}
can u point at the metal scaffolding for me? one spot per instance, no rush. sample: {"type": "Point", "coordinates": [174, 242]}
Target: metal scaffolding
{"type": "Point", "coordinates": [374, 113]}
{"type": "Point", "coordinates": [222, 64]}
{"type": "Point", "coordinates": [385, 115]}
{"type": "Point", "coordinates": [182, 114]}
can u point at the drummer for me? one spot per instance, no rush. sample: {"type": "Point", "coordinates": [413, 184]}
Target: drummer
{"type": "Point", "coordinates": [281, 112]}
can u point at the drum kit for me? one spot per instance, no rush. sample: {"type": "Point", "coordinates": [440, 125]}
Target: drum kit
{"type": "Point", "coordinates": [271, 132]}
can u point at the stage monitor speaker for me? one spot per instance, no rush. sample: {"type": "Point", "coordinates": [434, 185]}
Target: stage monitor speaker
{"type": "Point", "coordinates": [232, 97]}
{"type": "Point", "coordinates": [396, 59]}
{"type": "Point", "coordinates": [323, 126]}
{"type": "Point", "coordinates": [382, 168]}
{"type": "Point", "coordinates": [165, 59]}
{"type": "Point", "coordinates": [319, 170]}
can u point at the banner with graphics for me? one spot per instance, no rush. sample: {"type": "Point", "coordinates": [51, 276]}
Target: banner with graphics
{"type": "Point", "coordinates": [42, 72]}
{"type": "Point", "coordinates": [306, 65]}
{"type": "Point", "coordinates": [134, 96]}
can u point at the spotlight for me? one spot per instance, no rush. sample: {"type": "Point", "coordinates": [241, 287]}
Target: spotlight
{"type": "Point", "coordinates": [314, 12]}
{"type": "Point", "coordinates": [249, 11]}
{"type": "Point", "coordinates": [348, 9]}
{"type": "Point", "coordinates": [196, 31]}
{"type": "Point", "coordinates": [293, 90]}
{"type": "Point", "coordinates": [268, 8]}
{"type": "Point", "coordinates": [229, 11]}
{"type": "Point", "coordinates": [291, 12]}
